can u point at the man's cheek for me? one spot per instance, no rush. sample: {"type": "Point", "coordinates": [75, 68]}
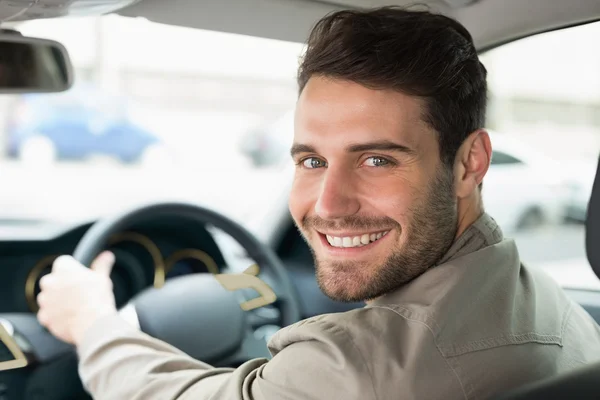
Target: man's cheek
{"type": "Point", "coordinates": [295, 212]}
{"type": "Point", "coordinates": [299, 202]}
{"type": "Point", "coordinates": [396, 205]}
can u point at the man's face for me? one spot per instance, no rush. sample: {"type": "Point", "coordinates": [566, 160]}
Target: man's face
{"type": "Point", "coordinates": [370, 194]}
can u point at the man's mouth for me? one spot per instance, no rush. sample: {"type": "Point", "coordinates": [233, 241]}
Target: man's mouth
{"type": "Point", "coordinates": [356, 240]}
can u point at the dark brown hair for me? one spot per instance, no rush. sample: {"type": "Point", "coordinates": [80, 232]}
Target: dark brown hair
{"type": "Point", "coordinates": [415, 52]}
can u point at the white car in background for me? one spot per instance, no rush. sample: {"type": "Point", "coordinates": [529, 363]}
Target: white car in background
{"type": "Point", "coordinates": [522, 190]}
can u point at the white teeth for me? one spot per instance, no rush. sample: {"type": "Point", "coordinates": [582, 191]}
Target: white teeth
{"type": "Point", "coordinates": [355, 241]}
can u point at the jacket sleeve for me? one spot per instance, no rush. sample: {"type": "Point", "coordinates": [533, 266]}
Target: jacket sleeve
{"type": "Point", "coordinates": [313, 359]}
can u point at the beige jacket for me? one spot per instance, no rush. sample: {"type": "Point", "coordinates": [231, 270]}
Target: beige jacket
{"type": "Point", "coordinates": [478, 323]}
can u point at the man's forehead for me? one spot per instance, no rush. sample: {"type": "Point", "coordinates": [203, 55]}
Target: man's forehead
{"type": "Point", "coordinates": [346, 112]}
{"type": "Point", "coordinates": [328, 103]}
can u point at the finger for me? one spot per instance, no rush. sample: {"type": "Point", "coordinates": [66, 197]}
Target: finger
{"type": "Point", "coordinates": [41, 299]}
{"type": "Point", "coordinates": [104, 263]}
{"type": "Point", "coordinates": [43, 318]}
{"type": "Point", "coordinates": [64, 262]}
{"type": "Point", "coordinates": [47, 281]}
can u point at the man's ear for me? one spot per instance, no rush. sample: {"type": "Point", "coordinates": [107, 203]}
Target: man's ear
{"type": "Point", "coordinates": [472, 162]}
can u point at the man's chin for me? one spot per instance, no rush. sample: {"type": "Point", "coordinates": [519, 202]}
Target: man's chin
{"type": "Point", "coordinates": [344, 283]}
{"type": "Point", "coordinates": [341, 293]}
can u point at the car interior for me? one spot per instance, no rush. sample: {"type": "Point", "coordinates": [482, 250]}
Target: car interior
{"type": "Point", "coordinates": [216, 283]}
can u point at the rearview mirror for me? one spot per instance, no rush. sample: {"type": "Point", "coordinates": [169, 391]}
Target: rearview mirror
{"type": "Point", "coordinates": [32, 65]}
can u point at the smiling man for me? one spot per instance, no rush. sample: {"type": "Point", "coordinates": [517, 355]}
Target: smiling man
{"type": "Point", "coordinates": [371, 195]}
{"type": "Point", "coordinates": [390, 156]}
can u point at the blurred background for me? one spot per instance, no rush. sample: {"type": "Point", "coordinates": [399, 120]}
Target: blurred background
{"type": "Point", "coordinates": [154, 115]}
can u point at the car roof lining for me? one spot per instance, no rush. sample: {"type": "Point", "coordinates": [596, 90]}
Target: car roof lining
{"type": "Point", "coordinates": [491, 22]}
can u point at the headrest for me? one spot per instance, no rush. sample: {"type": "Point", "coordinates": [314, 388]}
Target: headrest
{"type": "Point", "coordinates": [592, 226]}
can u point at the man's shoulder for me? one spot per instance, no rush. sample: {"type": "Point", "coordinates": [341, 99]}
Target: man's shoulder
{"type": "Point", "coordinates": [359, 328]}
{"type": "Point", "coordinates": [374, 342]}
{"type": "Point", "coordinates": [483, 300]}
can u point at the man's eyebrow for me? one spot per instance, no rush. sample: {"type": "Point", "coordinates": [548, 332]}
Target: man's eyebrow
{"type": "Point", "coordinates": [298, 148]}
{"type": "Point", "coordinates": [385, 145]}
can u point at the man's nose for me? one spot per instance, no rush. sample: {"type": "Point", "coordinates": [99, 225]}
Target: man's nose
{"type": "Point", "coordinates": [337, 196]}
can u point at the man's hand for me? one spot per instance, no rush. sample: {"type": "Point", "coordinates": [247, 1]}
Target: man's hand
{"type": "Point", "coordinates": [73, 297]}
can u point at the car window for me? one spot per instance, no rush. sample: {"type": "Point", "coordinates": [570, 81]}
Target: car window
{"type": "Point", "coordinates": [157, 113]}
{"type": "Point", "coordinates": [544, 95]}
{"type": "Point", "coordinates": [170, 113]}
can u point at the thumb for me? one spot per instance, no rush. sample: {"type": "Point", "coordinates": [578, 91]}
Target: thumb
{"type": "Point", "coordinates": [103, 263]}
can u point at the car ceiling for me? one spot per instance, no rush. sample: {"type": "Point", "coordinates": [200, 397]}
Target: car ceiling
{"type": "Point", "coordinates": [491, 22]}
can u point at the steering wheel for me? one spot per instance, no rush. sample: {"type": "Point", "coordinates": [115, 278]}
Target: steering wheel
{"type": "Point", "coordinates": [194, 313]}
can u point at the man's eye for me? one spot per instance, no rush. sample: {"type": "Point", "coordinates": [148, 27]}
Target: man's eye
{"type": "Point", "coordinates": [376, 162]}
{"type": "Point", "coordinates": [313, 163]}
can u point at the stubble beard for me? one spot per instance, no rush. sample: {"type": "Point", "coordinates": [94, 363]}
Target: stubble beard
{"type": "Point", "coordinates": [429, 234]}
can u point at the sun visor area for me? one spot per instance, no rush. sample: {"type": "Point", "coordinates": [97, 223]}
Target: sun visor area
{"type": "Point", "coordinates": [22, 10]}
{"type": "Point", "coordinates": [592, 226]}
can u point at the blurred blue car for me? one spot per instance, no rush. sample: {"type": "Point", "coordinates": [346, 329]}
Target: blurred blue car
{"type": "Point", "coordinates": [74, 125]}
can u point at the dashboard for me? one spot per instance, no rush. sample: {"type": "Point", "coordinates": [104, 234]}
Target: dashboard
{"type": "Point", "coordinates": [145, 255]}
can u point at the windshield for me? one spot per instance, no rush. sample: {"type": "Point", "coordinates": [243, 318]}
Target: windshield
{"type": "Point", "coordinates": [162, 113]}
{"type": "Point", "coordinates": [158, 113]}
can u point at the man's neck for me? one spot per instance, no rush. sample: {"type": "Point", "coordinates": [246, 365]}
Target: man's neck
{"type": "Point", "coordinates": [483, 232]}
{"type": "Point", "coordinates": [469, 211]}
